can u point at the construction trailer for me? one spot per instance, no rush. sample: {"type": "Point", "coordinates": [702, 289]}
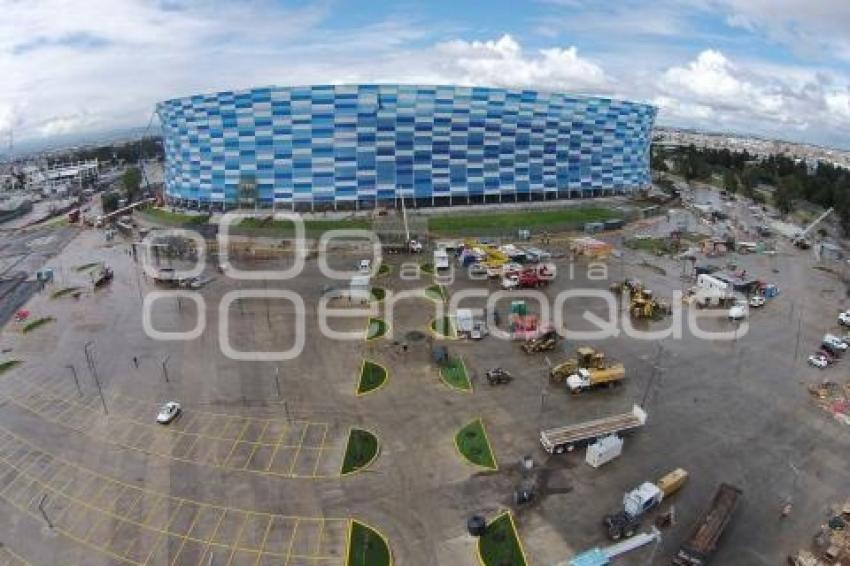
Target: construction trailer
{"type": "Point", "coordinates": [698, 549]}
{"type": "Point", "coordinates": [568, 438]}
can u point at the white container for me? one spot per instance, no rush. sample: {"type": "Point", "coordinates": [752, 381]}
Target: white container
{"type": "Point", "coordinates": [604, 450]}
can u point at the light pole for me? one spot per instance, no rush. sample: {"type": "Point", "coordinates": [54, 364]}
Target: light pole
{"type": "Point", "coordinates": [93, 371]}
{"type": "Point", "coordinates": [277, 381]}
{"type": "Point", "coordinates": [76, 380]}
{"type": "Point", "coordinates": [165, 368]}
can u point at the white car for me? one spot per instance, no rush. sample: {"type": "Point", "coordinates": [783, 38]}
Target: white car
{"type": "Point", "coordinates": [834, 341]}
{"type": "Point", "coordinates": [510, 282]}
{"type": "Point", "coordinates": [844, 318]}
{"type": "Point", "coordinates": [477, 269]}
{"type": "Point", "coordinates": [168, 412]}
{"type": "Point", "coordinates": [756, 301]}
{"type": "Point", "coordinates": [818, 361]}
{"type": "Point", "coordinates": [738, 312]}
{"type": "Point", "coordinates": [493, 271]}
{"type": "Point", "coordinates": [365, 266]}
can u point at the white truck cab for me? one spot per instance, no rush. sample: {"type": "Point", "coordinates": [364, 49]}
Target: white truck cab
{"type": "Point", "coordinates": [641, 499]}
{"type": "Point", "coordinates": [578, 380]}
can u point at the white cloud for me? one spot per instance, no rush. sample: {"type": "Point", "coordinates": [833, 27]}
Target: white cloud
{"type": "Point", "coordinates": [503, 63]}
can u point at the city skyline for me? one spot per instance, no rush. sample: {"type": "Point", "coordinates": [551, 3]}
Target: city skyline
{"type": "Point", "coordinates": [776, 70]}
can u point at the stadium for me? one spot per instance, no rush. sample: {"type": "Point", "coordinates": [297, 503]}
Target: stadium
{"type": "Point", "coordinates": [359, 146]}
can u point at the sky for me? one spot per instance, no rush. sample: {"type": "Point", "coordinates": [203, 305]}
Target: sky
{"type": "Point", "coordinates": [774, 68]}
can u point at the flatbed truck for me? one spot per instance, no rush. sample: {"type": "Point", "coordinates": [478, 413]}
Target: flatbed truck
{"type": "Point", "coordinates": [702, 542]}
{"type": "Point", "coordinates": [568, 438]}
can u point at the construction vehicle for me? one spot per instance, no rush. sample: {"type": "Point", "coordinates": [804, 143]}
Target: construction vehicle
{"type": "Point", "coordinates": [702, 542]}
{"type": "Point", "coordinates": [588, 378]}
{"type": "Point", "coordinates": [542, 343]}
{"type": "Point", "coordinates": [568, 438]}
{"type": "Point", "coordinates": [639, 501]}
{"type": "Point", "coordinates": [586, 357]}
{"type": "Point", "coordinates": [643, 304]}
{"type": "Point", "coordinates": [499, 376]}
{"type": "Point", "coordinates": [102, 276]}
{"type": "Point", "coordinates": [801, 239]}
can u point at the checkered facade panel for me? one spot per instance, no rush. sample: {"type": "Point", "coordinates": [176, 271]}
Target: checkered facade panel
{"type": "Point", "coordinates": [378, 142]}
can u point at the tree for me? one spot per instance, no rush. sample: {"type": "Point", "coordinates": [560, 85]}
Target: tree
{"type": "Point", "coordinates": [730, 181]}
{"type": "Point", "coordinates": [132, 181]}
{"type": "Point", "coordinates": [109, 202]}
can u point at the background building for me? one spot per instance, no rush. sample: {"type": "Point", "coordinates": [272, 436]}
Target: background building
{"type": "Point", "coordinates": [354, 146]}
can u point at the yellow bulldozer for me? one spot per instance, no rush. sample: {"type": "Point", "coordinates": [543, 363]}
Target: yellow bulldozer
{"type": "Point", "coordinates": [642, 301]}
{"type": "Point", "coordinates": [586, 358]}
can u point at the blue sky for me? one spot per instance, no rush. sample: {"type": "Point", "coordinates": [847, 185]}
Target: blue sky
{"type": "Point", "coordinates": [776, 68]}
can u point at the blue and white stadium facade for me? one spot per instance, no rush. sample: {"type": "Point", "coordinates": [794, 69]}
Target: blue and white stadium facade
{"type": "Point", "coordinates": [354, 146]}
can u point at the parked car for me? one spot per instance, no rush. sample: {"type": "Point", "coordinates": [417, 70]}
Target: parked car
{"type": "Point", "coordinates": [835, 342]}
{"type": "Point", "coordinates": [365, 266]}
{"type": "Point", "coordinates": [168, 412]}
{"type": "Point", "coordinates": [477, 269]}
{"type": "Point", "coordinates": [498, 376]}
{"type": "Point", "coordinates": [829, 356]}
{"type": "Point", "coordinates": [844, 318]}
{"type": "Point", "coordinates": [756, 301]}
{"type": "Point", "coordinates": [738, 311]}
{"type": "Point", "coordinates": [479, 330]}
{"type": "Point", "coordinates": [818, 361]}
{"type": "Point", "coordinates": [510, 282]}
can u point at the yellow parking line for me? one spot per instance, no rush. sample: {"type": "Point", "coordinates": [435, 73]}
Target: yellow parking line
{"type": "Point", "coordinates": [236, 539]}
{"type": "Point", "coordinates": [291, 543]}
{"type": "Point", "coordinates": [298, 450]}
{"type": "Point", "coordinates": [321, 451]}
{"type": "Point", "coordinates": [264, 541]}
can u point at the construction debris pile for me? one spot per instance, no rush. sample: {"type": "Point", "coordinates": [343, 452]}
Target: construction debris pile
{"type": "Point", "coordinates": [834, 398]}
{"type": "Point", "coordinates": [831, 544]}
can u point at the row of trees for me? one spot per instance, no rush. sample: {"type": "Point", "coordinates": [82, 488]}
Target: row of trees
{"type": "Point", "coordinates": [792, 181]}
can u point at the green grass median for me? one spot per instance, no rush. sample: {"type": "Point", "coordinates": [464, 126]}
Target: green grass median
{"type": "Point", "coordinates": [454, 375]}
{"type": "Point", "coordinates": [500, 544]}
{"type": "Point", "coordinates": [474, 446]}
{"type": "Point", "coordinates": [360, 452]}
{"type": "Point", "coordinates": [376, 328]}
{"type": "Point", "coordinates": [366, 547]}
{"type": "Point", "coordinates": [372, 377]}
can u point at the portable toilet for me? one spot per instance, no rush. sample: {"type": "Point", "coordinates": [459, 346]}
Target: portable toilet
{"type": "Point", "coordinates": [519, 307]}
{"type": "Point", "coordinates": [604, 450]}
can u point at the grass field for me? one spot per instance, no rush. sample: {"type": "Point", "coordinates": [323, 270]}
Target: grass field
{"type": "Point", "coordinates": [64, 291]}
{"type": "Point", "coordinates": [376, 328]}
{"type": "Point", "coordinates": [427, 267]}
{"type": "Point", "coordinates": [8, 364]}
{"type": "Point", "coordinates": [500, 545]}
{"type": "Point", "coordinates": [173, 218]}
{"type": "Point", "coordinates": [372, 376]}
{"type": "Point", "coordinates": [366, 547]}
{"type": "Point", "coordinates": [30, 326]}
{"type": "Point", "coordinates": [473, 444]}
{"type": "Point", "coordinates": [361, 450]}
{"type": "Point", "coordinates": [455, 376]}
{"type": "Point", "coordinates": [544, 219]}
{"type": "Point", "coordinates": [277, 227]}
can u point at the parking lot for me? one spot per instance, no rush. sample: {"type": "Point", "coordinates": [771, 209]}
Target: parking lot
{"type": "Point", "coordinates": [250, 472]}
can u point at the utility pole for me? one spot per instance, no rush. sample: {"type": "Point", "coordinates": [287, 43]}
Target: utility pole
{"type": "Point", "coordinates": [76, 380]}
{"type": "Point", "coordinates": [93, 371]}
{"type": "Point", "coordinates": [165, 368]}
{"type": "Point", "coordinates": [277, 381]}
